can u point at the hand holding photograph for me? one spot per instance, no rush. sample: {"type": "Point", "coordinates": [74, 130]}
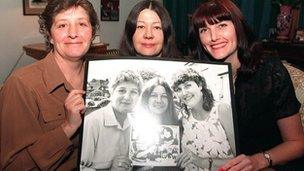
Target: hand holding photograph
{"type": "Point", "coordinates": [157, 114]}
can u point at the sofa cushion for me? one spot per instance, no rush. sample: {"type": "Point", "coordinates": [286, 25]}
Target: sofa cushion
{"type": "Point", "coordinates": [297, 77]}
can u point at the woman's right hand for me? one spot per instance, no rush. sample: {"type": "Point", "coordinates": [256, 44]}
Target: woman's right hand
{"type": "Point", "coordinates": [121, 163]}
{"type": "Point", "coordinates": [75, 107]}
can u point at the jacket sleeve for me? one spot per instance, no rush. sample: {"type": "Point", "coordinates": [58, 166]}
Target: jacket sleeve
{"type": "Point", "coordinates": [25, 145]}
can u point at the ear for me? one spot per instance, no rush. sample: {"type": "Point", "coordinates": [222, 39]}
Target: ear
{"type": "Point", "coordinates": [51, 41]}
{"type": "Point", "coordinates": [50, 38]}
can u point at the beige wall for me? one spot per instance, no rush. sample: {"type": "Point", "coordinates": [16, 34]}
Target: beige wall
{"type": "Point", "coordinates": [17, 30]}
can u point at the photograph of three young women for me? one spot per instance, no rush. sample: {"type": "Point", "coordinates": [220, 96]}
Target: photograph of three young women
{"type": "Point", "coordinates": [155, 109]}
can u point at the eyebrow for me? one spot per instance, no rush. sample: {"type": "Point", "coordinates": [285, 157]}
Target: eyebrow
{"type": "Point", "coordinates": [65, 19]}
{"type": "Point", "coordinates": [156, 22]}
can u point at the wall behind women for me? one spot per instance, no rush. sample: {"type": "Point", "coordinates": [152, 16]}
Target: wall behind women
{"type": "Point", "coordinates": [17, 30]}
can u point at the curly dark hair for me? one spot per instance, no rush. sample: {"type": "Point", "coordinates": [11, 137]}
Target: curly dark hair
{"type": "Point", "coordinates": [189, 74]}
{"type": "Point", "coordinates": [54, 7]}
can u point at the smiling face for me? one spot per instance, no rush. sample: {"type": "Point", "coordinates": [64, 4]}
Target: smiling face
{"type": "Point", "coordinates": [158, 100]}
{"type": "Point", "coordinates": [148, 38]}
{"type": "Point", "coordinates": [190, 93]}
{"type": "Point", "coordinates": [125, 96]}
{"type": "Point", "coordinates": [71, 33]}
{"type": "Point", "coordinates": [219, 40]}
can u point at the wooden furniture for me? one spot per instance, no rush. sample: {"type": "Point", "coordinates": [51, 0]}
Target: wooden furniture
{"type": "Point", "coordinates": [38, 50]}
{"type": "Point", "coordinates": [291, 52]}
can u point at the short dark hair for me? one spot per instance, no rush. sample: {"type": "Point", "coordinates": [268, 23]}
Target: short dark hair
{"type": "Point", "coordinates": [127, 76]}
{"type": "Point", "coordinates": [126, 45]}
{"type": "Point", "coordinates": [54, 7]}
{"type": "Point", "coordinates": [189, 74]}
{"type": "Point", "coordinates": [213, 12]}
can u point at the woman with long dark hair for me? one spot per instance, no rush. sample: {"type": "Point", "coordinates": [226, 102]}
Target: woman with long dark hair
{"type": "Point", "coordinates": [270, 132]}
{"type": "Point", "coordinates": [157, 107]}
{"type": "Point", "coordinates": [149, 32]}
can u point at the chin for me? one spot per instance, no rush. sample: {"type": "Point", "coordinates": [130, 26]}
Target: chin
{"type": "Point", "coordinates": [159, 112]}
{"type": "Point", "coordinates": [150, 54]}
{"type": "Point", "coordinates": [219, 57]}
{"type": "Point", "coordinates": [76, 56]}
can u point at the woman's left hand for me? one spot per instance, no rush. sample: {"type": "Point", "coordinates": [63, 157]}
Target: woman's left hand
{"type": "Point", "coordinates": [242, 162]}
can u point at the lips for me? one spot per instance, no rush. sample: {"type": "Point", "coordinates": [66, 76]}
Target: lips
{"type": "Point", "coordinates": [218, 45]}
{"type": "Point", "coordinates": [73, 43]}
{"type": "Point", "coordinates": [148, 45]}
{"type": "Point", "coordinates": [187, 98]}
{"type": "Point", "coordinates": [126, 104]}
{"type": "Point", "coordinates": [158, 106]}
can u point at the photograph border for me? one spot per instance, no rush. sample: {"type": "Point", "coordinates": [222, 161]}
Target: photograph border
{"type": "Point", "coordinates": [91, 60]}
{"type": "Point", "coordinates": [27, 10]}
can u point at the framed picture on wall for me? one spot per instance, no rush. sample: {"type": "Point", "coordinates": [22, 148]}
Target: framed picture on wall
{"type": "Point", "coordinates": [137, 107]}
{"type": "Point", "coordinates": [33, 7]}
{"type": "Point", "coordinates": [109, 10]}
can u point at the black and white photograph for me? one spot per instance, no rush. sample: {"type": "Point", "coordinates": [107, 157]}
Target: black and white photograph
{"type": "Point", "coordinates": [154, 145]}
{"type": "Point", "coordinates": [143, 114]}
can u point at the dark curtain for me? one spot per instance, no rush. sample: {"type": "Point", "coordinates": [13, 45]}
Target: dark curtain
{"type": "Point", "coordinates": [179, 11]}
{"type": "Point", "coordinates": [260, 15]}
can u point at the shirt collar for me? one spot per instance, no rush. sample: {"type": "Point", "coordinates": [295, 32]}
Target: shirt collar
{"type": "Point", "coordinates": [53, 75]}
{"type": "Point", "coordinates": [110, 119]}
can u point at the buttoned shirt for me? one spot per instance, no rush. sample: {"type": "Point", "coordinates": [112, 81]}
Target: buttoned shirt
{"type": "Point", "coordinates": [103, 138]}
{"type": "Point", "coordinates": [32, 111]}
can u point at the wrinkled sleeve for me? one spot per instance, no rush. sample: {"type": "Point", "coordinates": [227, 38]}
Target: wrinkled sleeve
{"type": "Point", "coordinates": [24, 144]}
{"type": "Point", "coordinates": [89, 140]}
{"type": "Point", "coordinates": [285, 100]}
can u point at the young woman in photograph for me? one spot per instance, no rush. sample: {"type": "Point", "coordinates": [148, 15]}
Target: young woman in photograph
{"type": "Point", "coordinates": [269, 128]}
{"type": "Point", "coordinates": [157, 100]}
{"type": "Point", "coordinates": [208, 136]}
{"type": "Point", "coordinates": [156, 107]}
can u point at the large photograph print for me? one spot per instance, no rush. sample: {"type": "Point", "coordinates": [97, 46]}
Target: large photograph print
{"type": "Point", "coordinates": [151, 114]}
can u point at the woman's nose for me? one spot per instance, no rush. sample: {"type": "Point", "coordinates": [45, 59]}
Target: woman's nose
{"type": "Point", "coordinates": [159, 99]}
{"type": "Point", "coordinates": [182, 92]}
{"type": "Point", "coordinates": [148, 33]}
{"type": "Point", "coordinates": [72, 32]}
{"type": "Point", "coordinates": [214, 35]}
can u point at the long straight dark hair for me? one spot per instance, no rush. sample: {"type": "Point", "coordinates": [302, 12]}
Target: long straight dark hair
{"type": "Point", "coordinates": [170, 116]}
